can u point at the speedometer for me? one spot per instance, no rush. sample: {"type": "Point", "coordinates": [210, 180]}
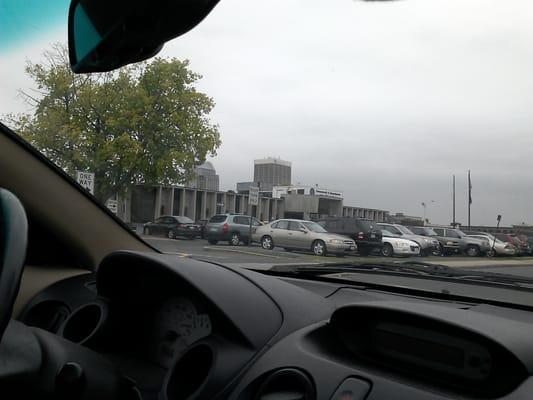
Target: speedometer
{"type": "Point", "coordinates": [178, 326]}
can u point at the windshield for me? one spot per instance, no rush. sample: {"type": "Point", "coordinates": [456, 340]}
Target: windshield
{"type": "Point", "coordinates": [404, 230]}
{"type": "Point", "coordinates": [277, 110]}
{"type": "Point", "coordinates": [314, 227]}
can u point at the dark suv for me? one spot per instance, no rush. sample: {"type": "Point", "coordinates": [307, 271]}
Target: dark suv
{"type": "Point", "coordinates": [365, 232]}
{"type": "Point", "coordinates": [233, 228]}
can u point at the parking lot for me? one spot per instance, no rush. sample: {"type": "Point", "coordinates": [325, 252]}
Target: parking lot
{"type": "Point", "coordinates": [256, 257]}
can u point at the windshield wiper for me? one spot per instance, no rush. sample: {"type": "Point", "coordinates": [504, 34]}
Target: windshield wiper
{"type": "Point", "coordinates": [409, 268]}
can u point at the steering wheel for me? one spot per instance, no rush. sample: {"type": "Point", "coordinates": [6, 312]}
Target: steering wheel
{"type": "Point", "coordinates": [13, 244]}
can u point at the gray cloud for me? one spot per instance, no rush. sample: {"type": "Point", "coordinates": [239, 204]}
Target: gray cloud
{"type": "Point", "coordinates": [382, 101]}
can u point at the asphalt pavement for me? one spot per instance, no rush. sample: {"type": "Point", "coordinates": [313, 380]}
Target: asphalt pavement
{"type": "Point", "coordinates": [256, 257]}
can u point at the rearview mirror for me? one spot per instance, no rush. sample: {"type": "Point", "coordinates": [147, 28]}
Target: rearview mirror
{"type": "Point", "coordinates": [105, 35]}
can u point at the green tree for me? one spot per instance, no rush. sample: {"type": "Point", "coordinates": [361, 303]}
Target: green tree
{"type": "Point", "coordinates": [145, 123]}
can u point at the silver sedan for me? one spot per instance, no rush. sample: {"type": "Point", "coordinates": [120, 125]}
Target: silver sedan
{"type": "Point", "coordinates": [302, 235]}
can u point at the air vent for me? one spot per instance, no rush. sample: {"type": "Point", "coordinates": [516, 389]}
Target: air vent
{"type": "Point", "coordinates": [286, 384]}
{"type": "Point", "coordinates": [84, 324]}
{"type": "Point", "coordinates": [48, 315]}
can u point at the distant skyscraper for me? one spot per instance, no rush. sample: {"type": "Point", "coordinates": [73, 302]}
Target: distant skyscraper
{"type": "Point", "coordinates": [270, 172]}
{"type": "Point", "coordinates": [205, 177]}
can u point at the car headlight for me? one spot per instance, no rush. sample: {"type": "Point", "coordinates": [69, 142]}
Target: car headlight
{"type": "Point", "coordinates": [403, 244]}
{"type": "Point", "coordinates": [336, 241]}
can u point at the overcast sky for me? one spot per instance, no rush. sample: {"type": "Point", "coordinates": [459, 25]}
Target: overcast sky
{"type": "Point", "coordinates": [382, 101]}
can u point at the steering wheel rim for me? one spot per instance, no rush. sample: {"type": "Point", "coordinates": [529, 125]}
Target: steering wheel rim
{"type": "Point", "coordinates": [13, 245]}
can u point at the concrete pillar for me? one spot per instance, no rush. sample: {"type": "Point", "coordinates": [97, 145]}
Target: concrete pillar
{"type": "Point", "coordinates": [171, 211]}
{"type": "Point", "coordinates": [203, 211]}
{"type": "Point", "coordinates": [157, 211]}
{"type": "Point", "coordinates": [182, 201]}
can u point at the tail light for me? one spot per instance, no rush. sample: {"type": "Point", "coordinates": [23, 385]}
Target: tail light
{"type": "Point", "coordinates": [179, 226]}
{"type": "Point", "coordinates": [361, 235]}
{"type": "Point", "coordinates": [225, 228]}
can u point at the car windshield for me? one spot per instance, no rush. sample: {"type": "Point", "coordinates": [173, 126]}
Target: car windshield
{"type": "Point", "coordinates": [404, 230]}
{"type": "Point", "coordinates": [429, 232]}
{"type": "Point", "coordinates": [314, 227]}
{"type": "Point", "coordinates": [285, 110]}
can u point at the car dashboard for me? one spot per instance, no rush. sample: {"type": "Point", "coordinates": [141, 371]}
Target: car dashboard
{"type": "Point", "coordinates": [185, 329]}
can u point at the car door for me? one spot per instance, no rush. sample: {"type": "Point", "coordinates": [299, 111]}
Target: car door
{"type": "Point", "coordinates": [280, 233]}
{"type": "Point", "coordinates": [157, 226]}
{"type": "Point", "coordinates": [297, 236]}
{"type": "Point", "coordinates": [168, 224]}
{"type": "Point", "coordinates": [241, 224]}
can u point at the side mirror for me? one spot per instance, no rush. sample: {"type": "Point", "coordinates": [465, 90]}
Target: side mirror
{"type": "Point", "coordinates": [105, 35]}
{"type": "Point", "coordinates": [303, 230]}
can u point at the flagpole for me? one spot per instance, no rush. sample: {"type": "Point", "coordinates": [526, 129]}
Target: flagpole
{"type": "Point", "coordinates": [469, 197]}
{"type": "Point", "coordinates": [453, 211]}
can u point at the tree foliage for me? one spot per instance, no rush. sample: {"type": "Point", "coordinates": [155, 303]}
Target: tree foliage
{"type": "Point", "coordinates": [146, 123]}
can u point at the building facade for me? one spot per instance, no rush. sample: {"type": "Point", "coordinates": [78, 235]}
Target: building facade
{"type": "Point", "coordinates": [270, 172]}
{"type": "Point", "coordinates": [205, 178]}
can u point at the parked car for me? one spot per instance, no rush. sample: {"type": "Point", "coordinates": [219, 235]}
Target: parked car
{"type": "Point", "coordinates": [524, 244]}
{"type": "Point", "coordinates": [303, 235]}
{"type": "Point", "coordinates": [447, 245]}
{"type": "Point", "coordinates": [520, 247]}
{"type": "Point", "coordinates": [427, 245]}
{"type": "Point", "coordinates": [468, 245]}
{"type": "Point", "coordinates": [497, 247]}
{"type": "Point", "coordinates": [233, 228]}
{"type": "Point", "coordinates": [398, 246]}
{"type": "Point", "coordinates": [172, 226]}
{"type": "Point", "coordinates": [364, 232]}
{"type": "Point", "coordinates": [202, 223]}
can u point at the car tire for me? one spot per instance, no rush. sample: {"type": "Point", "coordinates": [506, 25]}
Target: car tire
{"type": "Point", "coordinates": [267, 243]}
{"type": "Point", "coordinates": [319, 248]}
{"type": "Point", "coordinates": [437, 252]}
{"type": "Point", "coordinates": [171, 234]}
{"type": "Point", "coordinates": [235, 239]}
{"type": "Point", "coordinates": [212, 241]}
{"type": "Point", "coordinates": [472, 251]}
{"type": "Point", "coordinates": [387, 250]}
{"type": "Point", "coordinates": [491, 253]}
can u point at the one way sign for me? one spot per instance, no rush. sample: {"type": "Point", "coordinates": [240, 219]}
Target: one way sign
{"type": "Point", "coordinates": [86, 179]}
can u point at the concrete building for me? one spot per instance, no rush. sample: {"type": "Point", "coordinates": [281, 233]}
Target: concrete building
{"type": "Point", "coordinates": [370, 213]}
{"type": "Point", "coordinates": [205, 178]}
{"type": "Point", "coordinates": [270, 172]}
{"type": "Point", "coordinates": [146, 203]}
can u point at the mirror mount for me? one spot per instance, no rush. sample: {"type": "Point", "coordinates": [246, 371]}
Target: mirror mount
{"type": "Point", "coordinates": [104, 35]}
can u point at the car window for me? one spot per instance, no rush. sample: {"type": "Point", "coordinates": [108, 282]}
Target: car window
{"type": "Point", "coordinates": [184, 220]}
{"type": "Point", "coordinates": [439, 231]}
{"type": "Point", "coordinates": [314, 227]}
{"type": "Point", "coordinates": [451, 233]}
{"type": "Point", "coordinates": [241, 220]}
{"type": "Point", "coordinates": [169, 220]}
{"type": "Point", "coordinates": [160, 220]}
{"type": "Point", "coordinates": [393, 229]}
{"type": "Point", "coordinates": [217, 219]}
{"type": "Point", "coordinates": [295, 226]}
{"type": "Point", "coordinates": [255, 222]}
{"type": "Point", "coordinates": [282, 225]}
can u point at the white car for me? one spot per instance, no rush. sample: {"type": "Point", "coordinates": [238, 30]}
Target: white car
{"type": "Point", "coordinates": [395, 246]}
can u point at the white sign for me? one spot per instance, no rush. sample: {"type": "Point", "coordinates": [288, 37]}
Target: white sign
{"type": "Point", "coordinates": [253, 197]}
{"type": "Point", "coordinates": [86, 179]}
{"type": "Point", "coordinates": [112, 205]}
